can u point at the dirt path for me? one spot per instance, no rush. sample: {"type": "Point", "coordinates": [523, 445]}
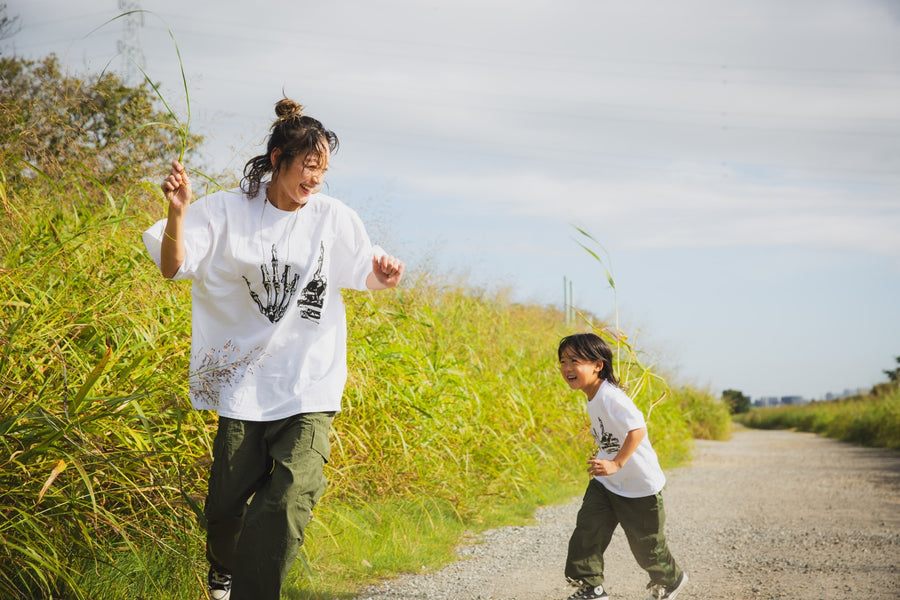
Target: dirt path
{"type": "Point", "coordinates": [769, 514]}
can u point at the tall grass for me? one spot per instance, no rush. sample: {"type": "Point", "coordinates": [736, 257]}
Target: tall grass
{"type": "Point", "coordinates": [706, 415]}
{"type": "Point", "coordinates": [871, 420]}
{"type": "Point", "coordinates": [87, 473]}
{"type": "Point", "coordinates": [455, 417]}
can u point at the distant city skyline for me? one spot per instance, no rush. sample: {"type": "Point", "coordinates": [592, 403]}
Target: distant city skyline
{"type": "Point", "coordinates": [793, 399]}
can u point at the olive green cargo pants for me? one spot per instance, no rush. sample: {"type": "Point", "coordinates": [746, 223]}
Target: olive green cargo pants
{"type": "Point", "coordinates": [642, 519]}
{"type": "Point", "coordinates": [264, 481]}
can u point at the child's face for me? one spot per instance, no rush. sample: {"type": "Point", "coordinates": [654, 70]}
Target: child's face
{"type": "Point", "coordinates": [579, 373]}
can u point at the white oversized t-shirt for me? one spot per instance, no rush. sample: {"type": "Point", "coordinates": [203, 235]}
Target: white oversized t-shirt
{"type": "Point", "coordinates": [612, 415]}
{"type": "Point", "coordinates": [269, 329]}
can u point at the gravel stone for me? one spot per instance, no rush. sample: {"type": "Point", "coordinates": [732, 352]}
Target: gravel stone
{"type": "Point", "coordinates": [767, 515]}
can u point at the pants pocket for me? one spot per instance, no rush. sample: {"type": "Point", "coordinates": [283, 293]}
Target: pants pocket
{"type": "Point", "coordinates": [321, 441]}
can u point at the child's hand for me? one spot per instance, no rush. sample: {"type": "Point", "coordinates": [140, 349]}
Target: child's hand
{"type": "Point", "coordinates": [601, 468]}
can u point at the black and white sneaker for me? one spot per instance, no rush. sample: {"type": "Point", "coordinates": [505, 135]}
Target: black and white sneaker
{"type": "Point", "coordinates": [589, 592]}
{"type": "Point", "coordinates": [219, 584]}
{"type": "Point", "coordinates": [661, 592]}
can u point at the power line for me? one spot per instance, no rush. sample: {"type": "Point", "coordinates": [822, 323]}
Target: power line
{"type": "Point", "coordinates": [129, 45]}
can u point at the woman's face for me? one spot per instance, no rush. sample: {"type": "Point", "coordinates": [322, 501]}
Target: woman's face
{"type": "Point", "coordinates": [294, 182]}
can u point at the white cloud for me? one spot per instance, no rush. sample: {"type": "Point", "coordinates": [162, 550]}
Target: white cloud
{"type": "Point", "coordinates": [685, 209]}
{"type": "Point", "coordinates": [671, 126]}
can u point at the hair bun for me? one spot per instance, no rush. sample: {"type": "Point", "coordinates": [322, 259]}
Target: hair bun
{"type": "Point", "coordinates": [288, 109]}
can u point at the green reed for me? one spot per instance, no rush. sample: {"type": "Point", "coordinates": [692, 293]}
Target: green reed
{"type": "Point", "coordinates": [706, 415]}
{"type": "Point", "coordinates": [88, 471]}
{"type": "Point", "coordinates": [174, 122]}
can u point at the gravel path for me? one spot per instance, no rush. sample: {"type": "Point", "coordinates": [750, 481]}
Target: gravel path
{"type": "Point", "coordinates": [769, 514]}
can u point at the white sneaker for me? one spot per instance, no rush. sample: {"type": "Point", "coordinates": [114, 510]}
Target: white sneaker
{"type": "Point", "coordinates": [590, 593]}
{"type": "Point", "coordinates": [219, 585]}
{"type": "Point", "coordinates": [661, 592]}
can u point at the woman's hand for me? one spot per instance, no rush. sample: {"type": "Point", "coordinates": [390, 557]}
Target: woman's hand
{"type": "Point", "coordinates": [177, 188]}
{"type": "Point", "coordinates": [387, 272]}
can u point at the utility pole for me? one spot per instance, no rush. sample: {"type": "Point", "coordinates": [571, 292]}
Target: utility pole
{"type": "Point", "coordinates": [129, 46]}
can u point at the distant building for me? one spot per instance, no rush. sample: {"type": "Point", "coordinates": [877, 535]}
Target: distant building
{"type": "Point", "coordinates": [846, 394]}
{"type": "Point", "coordinates": [792, 400]}
{"type": "Point", "coordinates": [766, 401]}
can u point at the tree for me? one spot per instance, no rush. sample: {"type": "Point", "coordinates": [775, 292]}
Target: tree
{"type": "Point", "coordinates": [59, 124]}
{"type": "Point", "coordinates": [737, 402]}
{"type": "Point", "coordinates": [894, 374]}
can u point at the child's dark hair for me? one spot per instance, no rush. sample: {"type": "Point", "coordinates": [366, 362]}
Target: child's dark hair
{"type": "Point", "coordinates": [590, 347]}
{"type": "Point", "coordinates": [295, 134]}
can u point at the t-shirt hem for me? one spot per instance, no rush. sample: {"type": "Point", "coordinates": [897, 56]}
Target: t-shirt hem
{"type": "Point", "coordinates": [629, 494]}
{"type": "Point", "coordinates": [273, 416]}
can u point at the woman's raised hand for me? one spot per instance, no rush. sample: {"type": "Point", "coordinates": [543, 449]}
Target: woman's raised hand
{"type": "Point", "coordinates": [177, 188]}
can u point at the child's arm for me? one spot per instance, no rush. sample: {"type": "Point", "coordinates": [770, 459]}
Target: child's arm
{"type": "Point", "coordinates": [600, 467]}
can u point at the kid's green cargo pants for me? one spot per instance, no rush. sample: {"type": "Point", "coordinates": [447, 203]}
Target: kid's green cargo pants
{"type": "Point", "coordinates": [264, 481]}
{"type": "Point", "coordinates": [642, 519]}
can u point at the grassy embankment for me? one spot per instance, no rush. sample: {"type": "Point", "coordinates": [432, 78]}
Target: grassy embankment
{"type": "Point", "coordinates": [455, 417]}
{"type": "Point", "coordinates": [869, 420]}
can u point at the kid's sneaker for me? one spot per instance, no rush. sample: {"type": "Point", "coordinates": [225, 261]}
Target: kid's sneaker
{"type": "Point", "coordinates": [589, 592]}
{"type": "Point", "coordinates": [219, 585]}
{"type": "Point", "coordinates": [661, 592]}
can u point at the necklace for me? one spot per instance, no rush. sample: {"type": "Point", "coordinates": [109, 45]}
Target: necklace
{"type": "Point", "coordinates": [276, 242]}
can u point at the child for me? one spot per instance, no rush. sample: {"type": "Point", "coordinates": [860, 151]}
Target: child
{"type": "Point", "coordinates": [626, 479]}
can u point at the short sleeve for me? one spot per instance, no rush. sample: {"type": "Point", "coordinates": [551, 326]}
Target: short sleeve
{"type": "Point", "coordinates": [625, 411]}
{"type": "Point", "coordinates": [199, 227]}
{"type": "Point", "coordinates": [353, 251]}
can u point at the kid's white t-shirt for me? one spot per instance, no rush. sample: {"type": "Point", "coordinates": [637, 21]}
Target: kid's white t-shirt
{"type": "Point", "coordinates": [613, 414]}
{"type": "Point", "coordinates": [269, 331]}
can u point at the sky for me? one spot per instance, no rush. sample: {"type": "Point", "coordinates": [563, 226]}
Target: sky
{"type": "Point", "coordinates": [736, 164]}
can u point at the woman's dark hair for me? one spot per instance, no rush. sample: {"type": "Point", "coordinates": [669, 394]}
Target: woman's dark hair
{"type": "Point", "coordinates": [295, 135]}
{"type": "Point", "coordinates": [590, 347]}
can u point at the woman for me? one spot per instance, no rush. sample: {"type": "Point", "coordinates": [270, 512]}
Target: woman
{"type": "Point", "coordinates": [268, 349]}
